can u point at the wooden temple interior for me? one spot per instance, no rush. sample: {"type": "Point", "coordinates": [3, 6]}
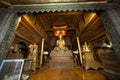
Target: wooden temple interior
{"type": "Point", "coordinates": [88, 52]}
{"type": "Point", "coordinates": [87, 25]}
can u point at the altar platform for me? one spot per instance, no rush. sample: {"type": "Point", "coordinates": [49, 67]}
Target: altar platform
{"type": "Point", "coordinates": [61, 59]}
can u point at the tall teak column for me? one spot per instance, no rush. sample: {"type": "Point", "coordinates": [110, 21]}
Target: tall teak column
{"type": "Point", "coordinates": [41, 56]}
{"type": "Point", "coordinates": [79, 49]}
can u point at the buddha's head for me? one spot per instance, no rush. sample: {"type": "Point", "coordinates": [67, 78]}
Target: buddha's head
{"type": "Point", "coordinates": [60, 36]}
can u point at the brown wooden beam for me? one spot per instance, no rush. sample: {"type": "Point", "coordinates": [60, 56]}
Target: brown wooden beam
{"type": "Point", "coordinates": [96, 31]}
{"type": "Point", "coordinates": [98, 35]}
{"type": "Point", "coordinates": [98, 39]}
{"type": "Point", "coordinates": [63, 13]}
{"type": "Point", "coordinates": [76, 20]}
{"type": "Point", "coordinates": [28, 28]}
{"type": "Point", "coordinates": [91, 35]}
{"type": "Point", "coordinates": [18, 38]}
{"type": "Point", "coordinates": [23, 37]}
{"type": "Point", "coordinates": [88, 28]}
{"type": "Point", "coordinates": [34, 27]}
{"type": "Point", "coordinates": [42, 22]}
{"type": "Point", "coordinates": [89, 24]}
{"type": "Point", "coordinates": [4, 3]}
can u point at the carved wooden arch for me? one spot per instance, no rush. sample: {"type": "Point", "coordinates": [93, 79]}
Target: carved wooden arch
{"type": "Point", "coordinates": [58, 7]}
{"type": "Point", "coordinates": [9, 34]}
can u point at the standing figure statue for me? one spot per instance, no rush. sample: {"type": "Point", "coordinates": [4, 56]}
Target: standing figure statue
{"type": "Point", "coordinates": [33, 54]}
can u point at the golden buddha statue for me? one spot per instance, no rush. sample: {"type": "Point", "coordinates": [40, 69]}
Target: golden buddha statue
{"type": "Point", "coordinates": [60, 44]}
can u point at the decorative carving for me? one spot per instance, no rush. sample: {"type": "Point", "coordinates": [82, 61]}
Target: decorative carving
{"type": "Point", "coordinates": [60, 7]}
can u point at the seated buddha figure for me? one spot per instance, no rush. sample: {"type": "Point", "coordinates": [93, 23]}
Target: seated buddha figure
{"type": "Point", "coordinates": [60, 44]}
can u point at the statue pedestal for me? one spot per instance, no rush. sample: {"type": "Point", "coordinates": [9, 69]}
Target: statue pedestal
{"type": "Point", "coordinates": [61, 59]}
{"type": "Point", "coordinates": [89, 61]}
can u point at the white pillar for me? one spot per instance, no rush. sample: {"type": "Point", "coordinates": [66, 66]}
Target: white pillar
{"type": "Point", "coordinates": [79, 49]}
{"type": "Point", "coordinates": [41, 55]}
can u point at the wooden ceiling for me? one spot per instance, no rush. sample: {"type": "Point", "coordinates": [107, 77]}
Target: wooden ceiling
{"type": "Point", "coordinates": [43, 1]}
{"type": "Point", "coordinates": [60, 19]}
{"type": "Point", "coordinates": [33, 27]}
{"type": "Point", "coordinates": [7, 3]}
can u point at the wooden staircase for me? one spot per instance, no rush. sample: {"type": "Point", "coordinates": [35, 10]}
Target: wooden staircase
{"type": "Point", "coordinates": [61, 59]}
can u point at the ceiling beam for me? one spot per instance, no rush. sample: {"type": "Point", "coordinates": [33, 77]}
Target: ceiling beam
{"type": "Point", "coordinates": [99, 39]}
{"type": "Point", "coordinates": [90, 35]}
{"type": "Point", "coordinates": [76, 20]}
{"type": "Point", "coordinates": [97, 36]}
{"type": "Point", "coordinates": [34, 27]}
{"type": "Point", "coordinates": [5, 3]}
{"type": "Point", "coordinates": [94, 31]}
{"type": "Point", "coordinates": [23, 37]}
{"type": "Point", "coordinates": [89, 24]}
{"type": "Point", "coordinates": [18, 39]}
{"type": "Point", "coordinates": [42, 22]}
{"type": "Point", "coordinates": [28, 29]}
{"type": "Point", "coordinates": [62, 13]}
{"type": "Point", "coordinates": [60, 4]}
{"type": "Point", "coordinates": [89, 27]}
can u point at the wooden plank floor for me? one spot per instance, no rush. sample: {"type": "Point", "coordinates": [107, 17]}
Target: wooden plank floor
{"type": "Point", "coordinates": [66, 74]}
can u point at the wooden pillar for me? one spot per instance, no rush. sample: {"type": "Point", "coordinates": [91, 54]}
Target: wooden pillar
{"type": "Point", "coordinates": [41, 56]}
{"type": "Point", "coordinates": [79, 49]}
{"type": "Point", "coordinates": [111, 21]}
{"type": "Point", "coordinates": [8, 21]}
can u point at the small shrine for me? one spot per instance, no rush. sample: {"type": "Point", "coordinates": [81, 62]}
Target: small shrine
{"type": "Point", "coordinates": [60, 43]}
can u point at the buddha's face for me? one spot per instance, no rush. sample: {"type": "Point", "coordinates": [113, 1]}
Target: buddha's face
{"type": "Point", "coordinates": [60, 36]}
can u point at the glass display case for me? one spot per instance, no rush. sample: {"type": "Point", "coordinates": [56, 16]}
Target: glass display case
{"type": "Point", "coordinates": [15, 69]}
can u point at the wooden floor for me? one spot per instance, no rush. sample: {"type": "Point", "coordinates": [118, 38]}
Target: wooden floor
{"type": "Point", "coordinates": [66, 74]}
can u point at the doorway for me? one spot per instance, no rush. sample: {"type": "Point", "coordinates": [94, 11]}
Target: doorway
{"type": "Point", "coordinates": [79, 31]}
